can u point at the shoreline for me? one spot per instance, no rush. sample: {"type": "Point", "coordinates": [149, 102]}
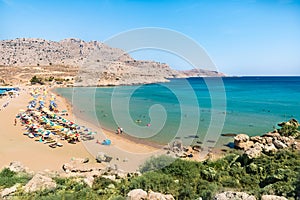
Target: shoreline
{"type": "Point", "coordinates": [106, 130]}
{"type": "Point", "coordinates": [219, 150]}
{"type": "Point", "coordinates": [128, 153]}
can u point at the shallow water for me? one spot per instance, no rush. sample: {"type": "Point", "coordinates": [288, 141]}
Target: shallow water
{"type": "Point", "coordinates": [191, 108]}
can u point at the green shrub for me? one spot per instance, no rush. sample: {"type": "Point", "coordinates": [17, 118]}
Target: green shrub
{"type": "Point", "coordinates": [9, 178]}
{"type": "Point", "coordinates": [156, 163]}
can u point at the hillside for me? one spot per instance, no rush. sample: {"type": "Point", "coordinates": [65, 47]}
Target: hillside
{"type": "Point", "coordinates": [89, 63]}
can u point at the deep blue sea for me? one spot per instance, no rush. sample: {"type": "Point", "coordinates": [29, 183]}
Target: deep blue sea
{"type": "Point", "coordinates": [189, 108]}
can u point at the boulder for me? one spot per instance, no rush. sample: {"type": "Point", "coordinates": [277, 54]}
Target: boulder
{"type": "Point", "coordinates": [102, 157]}
{"type": "Point", "coordinates": [16, 166]}
{"type": "Point", "coordinates": [272, 197]}
{"type": "Point", "coordinates": [272, 135]}
{"type": "Point", "coordinates": [137, 194]}
{"type": "Point", "coordinates": [80, 160]}
{"type": "Point", "coordinates": [269, 140]}
{"type": "Point", "coordinates": [9, 191]}
{"type": "Point", "coordinates": [89, 180]}
{"type": "Point", "coordinates": [269, 148]}
{"type": "Point", "coordinates": [39, 182]}
{"type": "Point", "coordinates": [73, 167]}
{"type": "Point", "coordinates": [234, 195]}
{"type": "Point", "coordinates": [241, 141]}
{"type": "Point", "coordinates": [279, 145]}
{"type": "Point", "coordinates": [288, 141]}
{"type": "Point", "coordinates": [159, 196]}
{"type": "Point", "coordinates": [176, 146]}
{"type": "Point", "coordinates": [110, 177]}
{"type": "Point", "coordinates": [254, 152]}
{"type": "Point", "coordinates": [258, 139]}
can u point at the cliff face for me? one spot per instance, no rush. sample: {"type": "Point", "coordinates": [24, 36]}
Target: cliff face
{"type": "Point", "coordinates": [92, 63]}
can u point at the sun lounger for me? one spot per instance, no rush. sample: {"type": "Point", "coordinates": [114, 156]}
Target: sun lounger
{"type": "Point", "coordinates": [49, 141]}
{"type": "Point", "coordinates": [30, 135]}
{"type": "Point", "coordinates": [54, 145]}
{"type": "Point", "coordinates": [59, 144]}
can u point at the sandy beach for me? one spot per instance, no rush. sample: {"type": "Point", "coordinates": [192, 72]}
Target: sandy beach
{"type": "Point", "coordinates": [127, 153]}
{"type": "Point", "coordinates": [14, 146]}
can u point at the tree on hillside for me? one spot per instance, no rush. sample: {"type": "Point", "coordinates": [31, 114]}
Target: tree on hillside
{"type": "Point", "coordinates": [35, 80]}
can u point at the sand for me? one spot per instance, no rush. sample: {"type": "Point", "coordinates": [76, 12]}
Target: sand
{"type": "Point", "coordinates": [127, 153]}
{"type": "Point", "coordinates": [14, 146]}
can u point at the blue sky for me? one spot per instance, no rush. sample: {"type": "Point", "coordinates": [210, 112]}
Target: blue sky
{"type": "Point", "coordinates": [243, 37]}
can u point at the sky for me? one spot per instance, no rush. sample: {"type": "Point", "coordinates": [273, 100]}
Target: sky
{"type": "Point", "coordinates": [242, 37]}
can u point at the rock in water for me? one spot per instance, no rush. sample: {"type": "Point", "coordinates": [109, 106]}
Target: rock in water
{"type": "Point", "coordinates": [39, 182]}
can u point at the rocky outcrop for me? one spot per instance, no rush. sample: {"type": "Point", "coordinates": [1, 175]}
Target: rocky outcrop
{"type": "Point", "coordinates": [139, 194]}
{"type": "Point", "coordinates": [9, 191]}
{"type": "Point", "coordinates": [17, 167]}
{"type": "Point", "coordinates": [159, 196]}
{"type": "Point", "coordinates": [39, 182]}
{"type": "Point", "coordinates": [254, 152]}
{"type": "Point", "coordinates": [268, 143]}
{"type": "Point", "coordinates": [241, 141]}
{"type": "Point", "coordinates": [81, 165]}
{"type": "Point", "coordinates": [272, 197]}
{"type": "Point", "coordinates": [234, 195]}
{"type": "Point", "coordinates": [95, 62]}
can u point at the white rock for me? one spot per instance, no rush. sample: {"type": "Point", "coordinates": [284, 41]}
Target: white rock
{"type": "Point", "coordinates": [16, 166]}
{"type": "Point", "coordinates": [272, 197]}
{"type": "Point", "coordinates": [137, 194]}
{"type": "Point", "coordinates": [159, 196]}
{"type": "Point", "coordinates": [9, 191]}
{"type": "Point", "coordinates": [39, 182]}
{"type": "Point", "coordinates": [234, 195]}
{"type": "Point", "coordinates": [89, 180]}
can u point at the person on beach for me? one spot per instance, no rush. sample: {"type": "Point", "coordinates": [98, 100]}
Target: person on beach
{"type": "Point", "coordinates": [15, 122]}
{"type": "Point", "coordinates": [121, 130]}
{"type": "Point", "coordinates": [118, 130]}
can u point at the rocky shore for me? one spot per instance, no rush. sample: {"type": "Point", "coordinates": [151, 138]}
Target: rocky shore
{"type": "Point", "coordinates": [271, 142]}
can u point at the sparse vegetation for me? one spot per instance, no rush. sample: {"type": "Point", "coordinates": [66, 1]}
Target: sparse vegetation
{"type": "Point", "coordinates": [35, 80]}
{"type": "Point", "coordinates": [277, 174]}
{"type": "Point", "coordinates": [9, 178]}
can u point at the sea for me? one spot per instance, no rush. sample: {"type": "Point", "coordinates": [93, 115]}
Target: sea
{"type": "Point", "coordinates": [189, 109]}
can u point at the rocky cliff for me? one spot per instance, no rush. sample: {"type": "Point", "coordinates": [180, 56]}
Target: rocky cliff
{"type": "Point", "coordinates": [92, 63]}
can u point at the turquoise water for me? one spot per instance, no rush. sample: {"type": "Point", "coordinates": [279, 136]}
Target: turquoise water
{"type": "Point", "coordinates": [189, 108]}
